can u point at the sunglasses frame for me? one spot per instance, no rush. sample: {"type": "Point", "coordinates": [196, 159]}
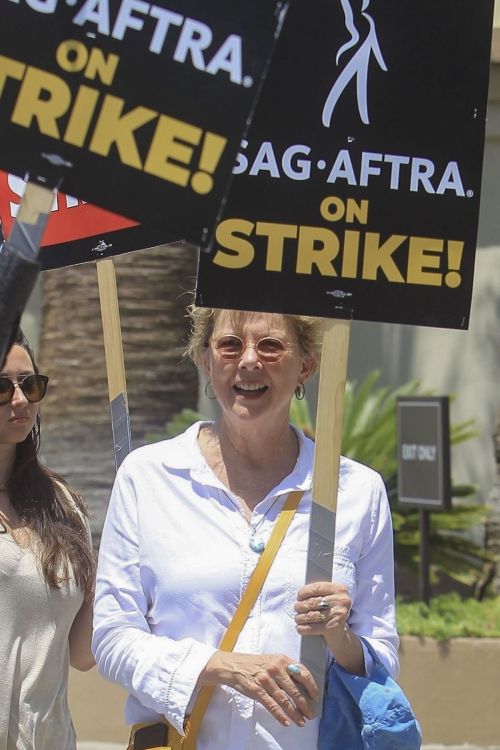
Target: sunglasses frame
{"type": "Point", "coordinates": [274, 357]}
{"type": "Point", "coordinates": [44, 379]}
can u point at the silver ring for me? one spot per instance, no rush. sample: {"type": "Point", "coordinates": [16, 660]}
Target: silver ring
{"type": "Point", "coordinates": [323, 604]}
{"type": "Point", "coordinates": [293, 670]}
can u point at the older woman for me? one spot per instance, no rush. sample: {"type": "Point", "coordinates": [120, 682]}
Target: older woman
{"type": "Point", "coordinates": [187, 522]}
{"type": "Point", "coordinates": [46, 572]}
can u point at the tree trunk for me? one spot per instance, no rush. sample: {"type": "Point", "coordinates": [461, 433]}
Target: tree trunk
{"type": "Point", "coordinates": [153, 291]}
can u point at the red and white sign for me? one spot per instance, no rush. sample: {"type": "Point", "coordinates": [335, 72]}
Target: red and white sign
{"type": "Point", "coordinates": [76, 231]}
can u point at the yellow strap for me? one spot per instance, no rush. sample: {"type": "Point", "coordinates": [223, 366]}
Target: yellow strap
{"type": "Point", "coordinates": [243, 610]}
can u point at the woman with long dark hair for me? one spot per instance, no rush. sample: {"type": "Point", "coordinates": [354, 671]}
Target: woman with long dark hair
{"type": "Point", "coordinates": [46, 572]}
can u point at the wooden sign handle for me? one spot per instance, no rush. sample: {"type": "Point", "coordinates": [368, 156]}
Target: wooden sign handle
{"type": "Point", "coordinates": [329, 422]}
{"type": "Point", "coordinates": [110, 314]}
{"type": "Point", "coordinates": [330, 412]}
{"type": "Point", "coordinates": [115, 365]}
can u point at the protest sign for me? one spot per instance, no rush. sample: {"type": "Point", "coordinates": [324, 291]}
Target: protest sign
{"type": "Point", "coordinates": [76, 231]}
{"type": "Point", "coordinates": [143, 104]}
{"type": "Point", "coordinates": [356, 193]}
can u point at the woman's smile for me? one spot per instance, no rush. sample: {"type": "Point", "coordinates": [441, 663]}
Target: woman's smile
{"type": "Point", "coordinates": [250, 390]}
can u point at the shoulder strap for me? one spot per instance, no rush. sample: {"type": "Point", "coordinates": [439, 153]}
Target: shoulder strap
{"type": "Point", "coordinates": [243, 610]}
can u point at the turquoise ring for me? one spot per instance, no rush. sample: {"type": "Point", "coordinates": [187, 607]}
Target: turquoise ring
{"type": "Point", "coordinates": [293, 670]}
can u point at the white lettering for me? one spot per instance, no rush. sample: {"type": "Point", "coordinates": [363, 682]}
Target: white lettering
{"type": "Point", "coordinates": [394, 171]}
{"type": "Point", "coordinates": [297, 169]}
{"type": "Point", "coordinates": [421, 172]}
{"type": "Point", "coordinates": [192, 44]}
{"type": "Point", "coordinates": [396, 162]}
{"type": "Point", "coordinates": [343, 169]}
{"type": "Point", "coordinates": [408, 451]}
{"type": "Point", "coordinates": [366, 167]}
{"type": "Point", "coordinates": [427, 452]}
{"type": "Point", "coordinates": [228, 58]}
{"type": "Point", "coordinates": [94, 11]}
{"type": "Point", "coordinates": [241, 165]}
{"type": "Point", "coordinates": [451, 180]}
{"type": "Point", "coordinates": [418, 452]}
{"type": "Point", "coordinates": [42, 6]}
{"type": "Point", "coordinates": [125, 20]}
{"type": "Point", "coordinates": [265, 161]}
{"type": "Point", "coordinates": [194, 38]}
{"type": "Point", "coordinates": [165, 18]}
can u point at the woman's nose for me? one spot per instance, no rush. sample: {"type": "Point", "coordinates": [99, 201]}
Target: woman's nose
{"type": "Point", "coordinates": [18, 396]}
{"type": "Point", "coordinates": [249, 357]}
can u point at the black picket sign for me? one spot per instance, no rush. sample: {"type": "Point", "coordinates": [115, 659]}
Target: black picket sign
{"type": "Point", "coordinates": [356, 193]}
{"type": "Point", "coordinates": [144, 104]}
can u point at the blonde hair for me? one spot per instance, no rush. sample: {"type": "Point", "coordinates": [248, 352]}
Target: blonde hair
{"type": "Point", "coordinates": [309, 331]}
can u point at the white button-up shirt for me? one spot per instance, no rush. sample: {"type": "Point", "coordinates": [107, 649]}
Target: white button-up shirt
{"type": "Point", "coordinates": [174, 561]}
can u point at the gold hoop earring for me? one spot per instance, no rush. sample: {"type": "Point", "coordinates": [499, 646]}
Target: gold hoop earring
{"type": "Point", "coordinates": [207, 394]}
{"type": "Point", "coordinates": [300, 391]}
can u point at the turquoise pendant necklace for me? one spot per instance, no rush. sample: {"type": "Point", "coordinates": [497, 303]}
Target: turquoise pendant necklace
{"type": "Point", "coordinates": [255, 542]}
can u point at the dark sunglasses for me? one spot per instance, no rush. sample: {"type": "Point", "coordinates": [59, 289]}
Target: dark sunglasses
{"type": "Point", "coordinates": [232, 347]}
{"type": "Point", "coordinates": [33, 386]}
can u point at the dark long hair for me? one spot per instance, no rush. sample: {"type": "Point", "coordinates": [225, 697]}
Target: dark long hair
{"type": "Point", "coordinates": [52, 510]}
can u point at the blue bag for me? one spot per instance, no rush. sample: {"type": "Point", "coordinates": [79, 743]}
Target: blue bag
{"type": "Point", "coordinates": [366, 713]}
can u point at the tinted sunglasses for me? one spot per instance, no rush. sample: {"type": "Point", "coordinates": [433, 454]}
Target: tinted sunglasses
{"type": "Point", "coordinates": [232, 347]}
{"type": "Point", "coordinates": [33, 386]}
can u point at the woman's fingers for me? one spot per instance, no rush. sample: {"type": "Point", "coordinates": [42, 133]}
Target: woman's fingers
{"type": "Point", "coordinates": [321, 606]}
{"type": "Point", "coordinates": [293, 694]}
{"type": "Point", "coordinates": [280, 703]}
{"type": "Point", "coordinates": [287, 695]}
{"type": "Point", "coordinates": [301, 693]}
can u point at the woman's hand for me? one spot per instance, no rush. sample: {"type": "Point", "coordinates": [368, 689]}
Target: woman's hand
{"type": "Point", "coordinates": [322, 609]}
{"type": "Point", "coordinates": [264, 678]}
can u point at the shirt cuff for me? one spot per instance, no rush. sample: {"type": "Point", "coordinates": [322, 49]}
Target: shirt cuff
{"type": "Point", "coordinates": [183, 683]}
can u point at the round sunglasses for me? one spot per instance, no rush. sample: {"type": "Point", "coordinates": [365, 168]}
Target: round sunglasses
{"type": "Point", "coordinates": [231, 348]}
{"type": "Point", "coordinates": [33, 386]}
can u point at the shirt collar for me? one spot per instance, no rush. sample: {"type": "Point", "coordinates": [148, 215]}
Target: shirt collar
{"type": "Point", "coordinates": [184, 453]}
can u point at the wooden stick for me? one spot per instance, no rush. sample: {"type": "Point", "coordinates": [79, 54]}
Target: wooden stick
{"type": "Point", "coordinates": [330, 413]}
{"type": "Point", "coordinates": [35, 205]}
{"type": "Point", "coordinates": [115, 365]}
{"type": "Point", "coordinates": [329, 423]}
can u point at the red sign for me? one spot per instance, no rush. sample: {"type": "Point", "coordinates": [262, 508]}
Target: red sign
{"type": "Point", "coordinates": [76, 231]}
{"type": "Point", "coordinates": [70, 218]}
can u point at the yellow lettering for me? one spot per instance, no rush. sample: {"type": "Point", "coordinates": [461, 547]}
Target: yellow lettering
{"type": "Point", "coordinates": [356, 211]}
{"type": "Point", "coordinates": [350, 255]}
{"type": "Point", "coordinates": [276, 234]}
{"type": "Point", "coordinates": [10, 69]}
{"type": "Point", "coordinates": [380, 256]}
{"type": "Point", "coordinates": [72, 56]}
{"type": "Point", "coordinates": [81, 115]}
{"type": "Point", "coordinates": [332, 208]}
{"type": "Point", "coordinates": [317, 247]}
{"type": "Point", "coordinates": [114, 128]}
{"type": "Point", "coordinates": [170, 142]}
{"type": "Point", "coordinates": [102, 67]}
{"type": "Point", "coordinates": [242, 250]}
{"type": "Point", "coordinates": [424, 253]}
{"type": "Point", "coordinates": [32, 101]}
